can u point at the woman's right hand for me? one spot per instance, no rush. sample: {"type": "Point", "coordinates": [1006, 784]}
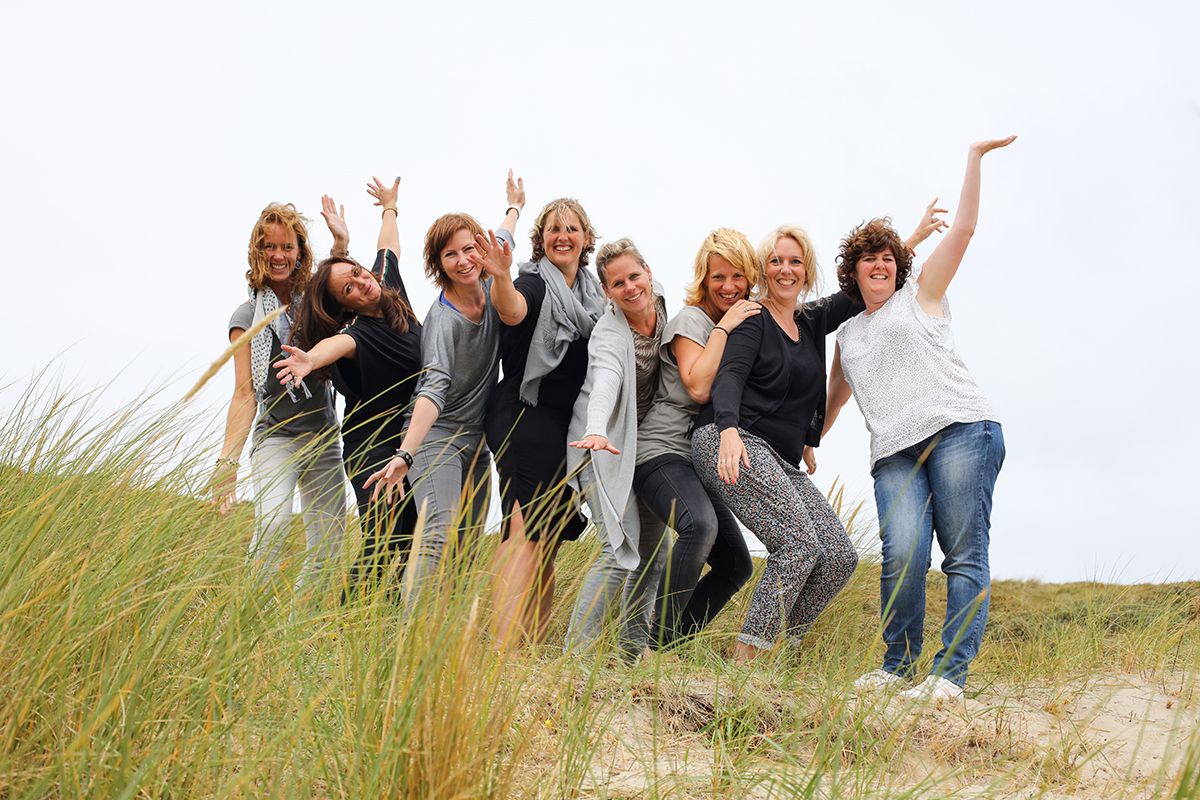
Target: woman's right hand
{"type": "Point", "coordinates": [731, 456]}
{"type": "Point", "coordinates": [296, 367]}
{"type": "Point", "coordinates": [594, 441]}
{"type": "Point", "coordinates": [929, 224]}
{"type": "Point", "coordinates": [987, 145]}
{"type": "Point", "coordinates": [741, 311]}
{"type": "Point", "coordinates": [492, 256]}
{"type": "Point", "coordinates": [335, 218]}
{"type": "Point", "coordinates": [223, 488]}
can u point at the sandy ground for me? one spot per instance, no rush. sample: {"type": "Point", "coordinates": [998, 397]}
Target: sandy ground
{"type": "Point", "coordinates": [1113, 736]}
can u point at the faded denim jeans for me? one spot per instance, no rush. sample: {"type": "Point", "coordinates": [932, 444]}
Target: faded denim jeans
{"type": "Point", "coordinates": [941, 485]}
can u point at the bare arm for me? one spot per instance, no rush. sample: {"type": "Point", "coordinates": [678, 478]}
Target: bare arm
{"type": "Point", "coordinates": [389, 233]}
{"type": "Point", "coordinates": [838, 392]}
{"type": "Point", "coordinates": [495, 259]}
{"type": "Point", "coordinates": [391, 477]}
{"type": "Point", "coordinates": [943, 263]}
{"type": "Point", "coordinates": [698, 365]}
{"type": "Point", "coordinates": [300, 363]}
{"type": "Point", "coordinates": [240, 417]}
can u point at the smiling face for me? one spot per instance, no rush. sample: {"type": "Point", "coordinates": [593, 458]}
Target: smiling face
{"type": "Point", "coordinates": [724, 285]}
{"type": "Point", "coordinates": [627, 283]}
{"type": "Point", "coordinates": [281, 250]}
{"type": "Point", "coordinates": [785, 271]}
{"type": "Point", "coordinates": [875, 274]}
{"type": "Point", "coordinates": [563, 239]}
{"type": "Point", "coordinates": [356, 289]}
{"type": "Point", "coordinates": [454, 259]}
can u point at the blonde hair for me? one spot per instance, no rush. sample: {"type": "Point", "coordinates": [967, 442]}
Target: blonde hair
{"type": "Point", "coordinates": [614, 250]}
{"type": "Point", "coordinates": [731, 245]}
{"type": "Point", "coordinates": [259, 274]}
{"type": "Point", "coordinates": [766, 249]}
{"type": "Point", "coordinates": [555, 208]}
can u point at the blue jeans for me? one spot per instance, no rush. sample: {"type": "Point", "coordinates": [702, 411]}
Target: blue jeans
{"type": "Point", "coordinates": [944, 485]}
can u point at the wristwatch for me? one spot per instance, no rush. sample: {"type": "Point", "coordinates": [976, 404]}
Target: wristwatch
{"type": "Point", "coordinates": [404, 456]}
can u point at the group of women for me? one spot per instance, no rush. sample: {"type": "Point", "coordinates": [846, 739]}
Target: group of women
{"type": "Point", "coordinates": [585, 390]}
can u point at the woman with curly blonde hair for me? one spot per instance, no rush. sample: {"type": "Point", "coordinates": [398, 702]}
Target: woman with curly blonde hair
{"type": "Point", "coordinates": [295, 431]}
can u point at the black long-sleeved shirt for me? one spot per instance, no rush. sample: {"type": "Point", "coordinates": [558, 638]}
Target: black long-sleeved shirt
{"type": "Point", "coordinates": [774, 387]}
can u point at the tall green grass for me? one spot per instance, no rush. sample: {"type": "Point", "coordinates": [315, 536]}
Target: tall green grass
{"type": "Point", "coordinates": [139, 657]}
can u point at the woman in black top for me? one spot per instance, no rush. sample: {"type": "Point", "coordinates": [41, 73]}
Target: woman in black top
{"type": "Point", "coordinates": [359, 323]}
{"type": "Point", "coordinates": [547, 315]}
{"type": "Point", "coordinates": [768, 402]}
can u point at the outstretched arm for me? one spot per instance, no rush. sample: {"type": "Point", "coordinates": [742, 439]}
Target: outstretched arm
{"type": "Point", "coordinates": [389, 233]}
{"type": "Point", "coordinates": [300, 363]}
{"type": "Point", "coordinates": [943, 263]}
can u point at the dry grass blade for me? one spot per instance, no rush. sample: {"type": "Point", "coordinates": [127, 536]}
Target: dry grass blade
{"type": "Point", "coordinates": [240, 341]}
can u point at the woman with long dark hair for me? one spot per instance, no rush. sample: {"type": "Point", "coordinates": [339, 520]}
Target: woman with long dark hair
{"type": "Point", "coordinates": [358, 324]}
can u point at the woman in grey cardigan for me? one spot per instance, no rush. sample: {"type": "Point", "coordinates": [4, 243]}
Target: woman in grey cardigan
{"type": "Point", "coordinates": [622, 377]}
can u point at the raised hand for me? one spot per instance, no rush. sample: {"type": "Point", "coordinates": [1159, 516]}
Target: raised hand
{"type": "Point", "coordinates": [988, 145]}
{"type": "Point", "coordinates": [389, 479]}
{"type": "Point", "coordinates": [594, 441]}
{"type": "Point", "coordinates": [384, 196]}
{"type": "Point", "coordinates": [739, 313]}
{"type": "Point", "coordinates": [515, 191]}
{"type": "Point", "coordinates": [930, 223]}
{"type": "Point", "coordinates": [492, 256]}
{"type": "Point", "coordinates": [295, 367]}
{"type": "Point", "coordinates": [335, 218]}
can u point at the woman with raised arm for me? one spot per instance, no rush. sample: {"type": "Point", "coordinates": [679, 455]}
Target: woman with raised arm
{"type": "Point", "coordinates": [765, 411]}
{"type": "Point", "coordinates": [443, 453]}
{"type": "Point", "coordinates": [622, 377]}
{"type": "Point", "coordinates": [936, 448]}
{"type": "Point", "coordinates": [664, 479]}
{"type": "Point", "coordinates": [359, 324]}
{"type": "Point", "coordinates": [547, 315]}
{"type": "Point", "coordinates": [295, 439]}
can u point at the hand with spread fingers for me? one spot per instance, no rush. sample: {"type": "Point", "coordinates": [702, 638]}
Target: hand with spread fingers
{"type": "Point", "coordinates": [492, 256]}
{"type": "Point", "coordinates": [389, 480]}
{"type": "Point", "coordinates": [384, 196]}
{"type": "Point", "coordinates": [296, 367]}
{"type": "Point", "coordinates": [930, 223]}
{"type": "Point", "coordinates": [594, 441]}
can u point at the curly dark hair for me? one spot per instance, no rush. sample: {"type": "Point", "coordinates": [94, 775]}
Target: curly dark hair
{"type": "Point", "coordinates": [870, 237]}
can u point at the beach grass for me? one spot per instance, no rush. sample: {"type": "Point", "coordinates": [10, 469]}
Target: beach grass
{"type": "Point", "coordinates": [140, 656]}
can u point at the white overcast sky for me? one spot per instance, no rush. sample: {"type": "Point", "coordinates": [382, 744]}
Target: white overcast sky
{"type": "Point", "coordinates": [140, 141]}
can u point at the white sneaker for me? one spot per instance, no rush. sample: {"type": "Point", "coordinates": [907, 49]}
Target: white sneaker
{"type": "Point", "coordinates": [934, 687]}
{"type": "Point", "coordinates": [878, 679]}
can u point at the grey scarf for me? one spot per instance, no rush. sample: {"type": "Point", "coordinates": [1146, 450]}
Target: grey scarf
{"type": "Point", "coordinates": [567, 314]}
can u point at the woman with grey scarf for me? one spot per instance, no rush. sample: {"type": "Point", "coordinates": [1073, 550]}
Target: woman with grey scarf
{"type": "Point", "coordinates": [547, 315]}
{"type": "Point", "coordinates": [295, 432]}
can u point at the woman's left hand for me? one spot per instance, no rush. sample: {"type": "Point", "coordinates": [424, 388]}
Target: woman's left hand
{"type": "Point", "coordinates": [515, 191]}
{"type": "Point", "coordinates": [810, 459]}
{"type": "Point", "coordinates": [988, 145]}
{"type": "Point", "coordinates": [383, 195]}
{"type": "Point", "coordinates": [594, 441]}
{"type": "Point", "coordinates": [389, 479]}
{"type": "Point", "coordinates": [491, 256]}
